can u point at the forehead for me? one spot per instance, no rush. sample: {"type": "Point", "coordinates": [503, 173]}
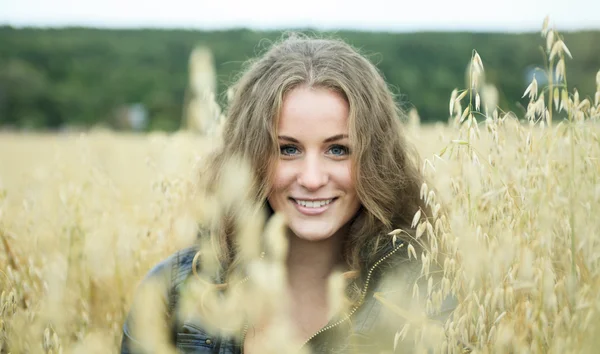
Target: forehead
{"type": "Point", "coordinates": [313, 112]}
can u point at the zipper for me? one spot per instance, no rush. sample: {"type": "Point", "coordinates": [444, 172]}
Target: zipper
{"type": "Point", "coordinates": [243, 338]}
{"type": "Point", "coordinates": [360, 302]}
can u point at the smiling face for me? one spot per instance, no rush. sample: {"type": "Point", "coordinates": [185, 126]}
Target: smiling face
{"type": "Point", "coordinates": [312, 184]}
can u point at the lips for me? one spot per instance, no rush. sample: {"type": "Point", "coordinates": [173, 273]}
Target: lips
{"type": "Point", "coordinates": [312, 206]}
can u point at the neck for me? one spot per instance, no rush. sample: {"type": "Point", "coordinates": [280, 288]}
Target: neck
{"type": "Point", "coordinates": [309, 263]}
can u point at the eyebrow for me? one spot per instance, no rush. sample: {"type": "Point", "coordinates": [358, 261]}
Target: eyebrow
{"type": "Point", "coordinates": [328, 140]}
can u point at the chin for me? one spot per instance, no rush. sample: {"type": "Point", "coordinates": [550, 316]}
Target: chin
{"type": "Point", "coordinates": [313, 233]}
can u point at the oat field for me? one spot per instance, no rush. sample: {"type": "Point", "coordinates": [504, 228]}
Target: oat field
{"type": "Point", "coordinates": [84, 216]}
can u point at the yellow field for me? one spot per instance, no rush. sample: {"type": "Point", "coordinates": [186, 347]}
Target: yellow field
{"type": "Point", "coordinates": [84, 217]}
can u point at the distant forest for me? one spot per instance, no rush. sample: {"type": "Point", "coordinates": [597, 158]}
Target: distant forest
{"type": "Point", "coordinates": [56, 78]}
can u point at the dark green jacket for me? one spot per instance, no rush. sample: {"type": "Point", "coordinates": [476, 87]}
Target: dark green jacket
{"type": "Point", "coordinates": [370, 328]}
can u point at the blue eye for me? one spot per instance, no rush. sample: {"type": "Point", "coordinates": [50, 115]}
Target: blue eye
{"type": "Point", "coordinates": [288, 150]}
{"type": "Point", "coordinates": [339, 150]}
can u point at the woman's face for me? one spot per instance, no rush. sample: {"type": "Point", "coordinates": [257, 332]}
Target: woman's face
{"type": "Point", "coordinates": [313, 185]}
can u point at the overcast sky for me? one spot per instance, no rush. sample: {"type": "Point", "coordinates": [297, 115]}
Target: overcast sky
{"type": "Point", "coordinates": [393, 15]}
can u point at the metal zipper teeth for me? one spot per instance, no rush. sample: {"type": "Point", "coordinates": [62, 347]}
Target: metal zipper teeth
{"type": "Point", "coordinates": [243, 338]}
{"type": "Point", "coordinates": [362, 297]}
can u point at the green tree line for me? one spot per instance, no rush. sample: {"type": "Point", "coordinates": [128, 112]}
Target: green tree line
{"type": "Point", "coordinates": [52, 78]}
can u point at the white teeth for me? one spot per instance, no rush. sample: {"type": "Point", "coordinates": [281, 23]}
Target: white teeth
{"type": "Point", "coordinates": [313, 204]}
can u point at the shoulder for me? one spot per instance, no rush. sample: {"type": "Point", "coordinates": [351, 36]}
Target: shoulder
{"type": "Point", "coordinates": [157, 291]}
{"type": "Point", "coordinates": [160, 282]}
{"type": "Point", "coordinates": [413, 281]}
{"type": "Point", "coordinates": [172, 271]}
{"type": "Point", "coordinates": [174, 267]}
{"type": "Point", "coordinates": [401, 292]}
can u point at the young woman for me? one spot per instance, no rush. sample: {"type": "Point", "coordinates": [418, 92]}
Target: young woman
{"type": "Point", "coordinates": [322, 133]}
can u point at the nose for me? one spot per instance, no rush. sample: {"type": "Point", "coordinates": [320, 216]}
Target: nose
{"type": "Point", "coordinates": [313, 173]}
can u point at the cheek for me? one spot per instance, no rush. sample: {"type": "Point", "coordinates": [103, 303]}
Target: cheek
{"type": "Point", "coordinates": [344, 178]}
{"type": "Point", "coordinates": [283, 177]}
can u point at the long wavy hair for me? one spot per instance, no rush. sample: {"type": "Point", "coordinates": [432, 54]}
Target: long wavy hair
{"type": "Point", "coordinates": [385, 166]}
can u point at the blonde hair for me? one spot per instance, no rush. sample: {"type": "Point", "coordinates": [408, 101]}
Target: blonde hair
{"type": "Point", "coordinates": [386, 172]}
